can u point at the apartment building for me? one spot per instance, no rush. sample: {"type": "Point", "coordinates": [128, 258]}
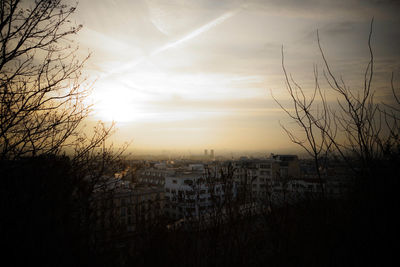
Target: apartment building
{"type": "Point", "coordinates": [123, 206]}
{"type": "Point", "coordinates": [154, 176]}
{"type": "Point", "coordinates": [192, 194]}
{"type": "Point", "coordinates": [259, 177]}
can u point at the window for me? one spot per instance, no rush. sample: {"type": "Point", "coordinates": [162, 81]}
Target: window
{"type": "Point", "coordinates": [188, 182]}
{"type": "Point", "coordinates": [284, 172]}
{"type": "Point", "coordinates": [174, 181]}
{"type": "Point", "coordinates": [123, 211]}
{"type": "Point", "coordinates": [265, 173]}
{"type": "Point", "coordinates": [265, 166]}
{"type": "Point", "coordinates": [190, 209]}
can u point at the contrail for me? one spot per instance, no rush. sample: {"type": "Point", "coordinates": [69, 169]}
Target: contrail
{"type": "Point", "coordinates": [184, 39]}
{"type": "Point", "coordinates": [197, 32]}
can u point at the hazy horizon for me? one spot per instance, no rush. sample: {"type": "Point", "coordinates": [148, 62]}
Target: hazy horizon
{"type": "Point", "coordinates": [226, 153]}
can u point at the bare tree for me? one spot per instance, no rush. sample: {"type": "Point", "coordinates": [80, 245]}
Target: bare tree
{"type": "Point", "coordinates": [42, 106]}
{"type": "Point", "coordinates": [316, 124]}
{"type": "Point", "coordinates": [42, 90]}
{"type": "Point", "coordinates": [356, 129]}
{"type": "Point", "coordinates": [364, 134]}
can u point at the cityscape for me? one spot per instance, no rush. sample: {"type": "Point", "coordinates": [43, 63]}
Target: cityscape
{"type": "Point", "coordinates": [185, 189]}
{"type": "Point", "coordinates": [199, 133]}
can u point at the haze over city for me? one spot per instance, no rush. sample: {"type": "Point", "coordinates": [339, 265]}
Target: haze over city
{"type": "Point", "coordinates": [199, 132]}
{"type": "Point", "coordinates": [188, 75]}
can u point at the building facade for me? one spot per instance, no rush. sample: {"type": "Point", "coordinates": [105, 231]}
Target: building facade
{"type": "Point", "coordinates": [192, 194]}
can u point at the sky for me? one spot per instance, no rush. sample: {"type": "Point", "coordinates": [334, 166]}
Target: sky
{"type": "Point", "coordinates": [183, 75]}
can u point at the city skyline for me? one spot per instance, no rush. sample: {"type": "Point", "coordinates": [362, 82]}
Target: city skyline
{"type": "Point", "coordinates": [199, 133]}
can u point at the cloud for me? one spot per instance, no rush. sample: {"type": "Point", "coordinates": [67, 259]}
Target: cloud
{"type": "Point", "coordinates": [213, 62]}
{"type": "Point", "coordinates": [361, 9]}
{"type": "Point", "coordinates": [193, 34]}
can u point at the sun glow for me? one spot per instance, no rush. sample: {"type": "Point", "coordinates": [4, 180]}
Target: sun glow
{"type": "Point", "coordinates": [117, 104]}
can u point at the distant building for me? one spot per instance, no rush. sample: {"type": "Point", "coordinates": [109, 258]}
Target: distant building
{"type": "Point", "coordinates": [123, 206]}
{"type": "Point", "coordinates": [160, 166]}
{"type": "Point", "coordinates": [154, 176]}
{"type": "Point", "coordinates": [188, 194]}
{"type": "Point", "coordinates": [289, 165]}
{"type": "Point", "coordinates": [196, 167]}
{"type": "Point", "coordinates": [260, 177]}
{"type": "Point", "coordinates": [255, 176]}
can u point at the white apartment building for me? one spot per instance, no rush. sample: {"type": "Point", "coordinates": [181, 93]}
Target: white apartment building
{"type": "Point", "coordinates": [189, 194]}
{"type": "Point", "coordinates": [255, 175]}
{"type": "Point", "coordinates": [154, 176]}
